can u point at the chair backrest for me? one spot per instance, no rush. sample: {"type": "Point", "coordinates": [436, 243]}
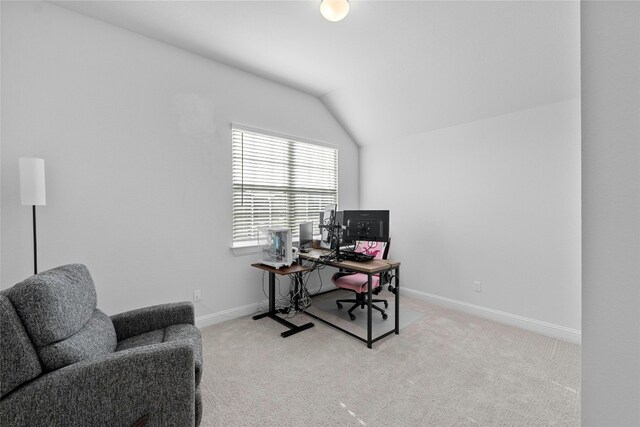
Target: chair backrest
{"type": "Point", "coordinates": [357, 281]}
{"type": "Point", "coordinates": [57, 309]}
{"type": "Point", "coordinates": [19, 361]}
{"type": "Point", "coordinates": [379, 250]}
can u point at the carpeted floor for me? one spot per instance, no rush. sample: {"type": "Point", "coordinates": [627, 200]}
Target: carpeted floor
{"type": "Point", "coordinates": [446, 368]}
{"type": "Point", "coordinates": [325, 307]}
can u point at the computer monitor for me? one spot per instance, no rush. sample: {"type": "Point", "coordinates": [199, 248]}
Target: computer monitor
{"type": "Point", "coordinates": [306, 235]}
{"type": "Point", "coordinates": [372, 226]}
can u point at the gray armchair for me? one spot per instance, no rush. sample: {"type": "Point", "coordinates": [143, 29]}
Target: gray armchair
{"type": "Point", "coordinates": [63, 362]}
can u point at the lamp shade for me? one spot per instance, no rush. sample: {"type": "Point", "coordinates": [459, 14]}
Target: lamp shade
{"type": "Point", "coordinates": [32, 189]}
{"type": "Point", "coordinates": [334, 10]}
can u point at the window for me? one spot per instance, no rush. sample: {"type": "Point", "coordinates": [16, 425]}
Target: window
{"type": "Point", "coordinates": [279, 181]}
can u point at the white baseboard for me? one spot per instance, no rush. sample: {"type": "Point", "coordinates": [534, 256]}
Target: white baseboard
{"type": "Point", "coordinates": [232, 313]}
{"type": "Point", "coordinates": [235, 312]}
{"type": "Point", "coordinates": [534, 325]}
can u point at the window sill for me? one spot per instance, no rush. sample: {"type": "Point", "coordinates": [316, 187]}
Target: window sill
{"type": "Point", "coordinates": [244, 248]}
{"type": "Point", "coordinates": [247, 248]}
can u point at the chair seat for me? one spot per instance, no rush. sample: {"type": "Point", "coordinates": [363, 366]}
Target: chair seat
{"type": "Point", "coordinates": [356, 282]}
{"type": "Point", "coordinates": [185, 332]}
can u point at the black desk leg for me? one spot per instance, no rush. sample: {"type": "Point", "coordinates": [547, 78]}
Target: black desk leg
{"type": "Point", "coordinates": [397, 300]}
{"type": "Point", "coordinates": [369, 326]}
{"type": "Point", "coordinates": [272, 313]}
{"type": "Point", "coordinates": [272, 292]}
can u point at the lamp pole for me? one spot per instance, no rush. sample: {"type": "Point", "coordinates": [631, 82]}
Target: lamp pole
{"type": "Point", "coordinates": [35, 243]}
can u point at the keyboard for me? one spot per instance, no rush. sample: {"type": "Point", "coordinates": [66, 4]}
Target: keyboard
{"type": "Point", "coordinates": [355, 256]}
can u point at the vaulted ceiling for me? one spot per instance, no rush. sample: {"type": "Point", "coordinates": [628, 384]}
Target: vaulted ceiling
{"type": "Point", "coordinates": [391, 68]}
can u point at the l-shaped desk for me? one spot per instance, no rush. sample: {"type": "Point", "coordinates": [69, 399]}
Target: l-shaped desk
{"type": "Point", "coordinates": [376, 266]}
{"type": "Point", "coordinates": [369, 268]}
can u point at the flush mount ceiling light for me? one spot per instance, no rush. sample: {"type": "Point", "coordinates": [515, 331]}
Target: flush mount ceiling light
{"type": "Point", "coordinates": [334, 10]}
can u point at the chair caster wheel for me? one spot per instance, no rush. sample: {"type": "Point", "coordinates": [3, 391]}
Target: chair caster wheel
{"type": "Point", "coordinates": [386, 304]}
{"type": "Point", "coordinates": [339, 305]}
{"type": "Point", "coordinates": [352, 316]}
{"type": "Point", "coordinates": [384, 316]}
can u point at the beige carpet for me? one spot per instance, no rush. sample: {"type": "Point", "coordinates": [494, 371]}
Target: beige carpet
{"type": "Point", "coordinates": [325, 307]}
{"type": "Point", "coordinates": [445, 369]}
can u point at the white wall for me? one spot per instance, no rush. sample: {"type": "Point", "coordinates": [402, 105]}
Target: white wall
{"type": "Point", "coordinates": [495, 201]}
{"type": "Point", "coordinates": [137, 145]}
{"type": "Point", "coordinates": [611, 213]}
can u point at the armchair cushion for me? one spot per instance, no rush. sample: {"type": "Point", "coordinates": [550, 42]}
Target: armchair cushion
{"type": "Point", "coordinates": [142, 320]}
{"type": "Point", "coordinates": [173, 333]}
{"type": "Point", "coordinates": [54, 304]}
{"type": "Point", "coordinates": [97, 337]}
{"type": "Point", "coordinates": [148, 338]}
{"type": "Point", "coordinates": [18, 359]}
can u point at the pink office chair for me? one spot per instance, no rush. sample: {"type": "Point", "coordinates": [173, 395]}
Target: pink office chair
{"type": "Point", "coordinates": [357, 282]}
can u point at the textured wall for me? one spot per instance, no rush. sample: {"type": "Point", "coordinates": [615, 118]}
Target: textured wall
{"type": "Point", "coordinates": [495, 201]}
{"type": "Point", "coordinates": [611, 213]}
{"type": "Point", "coordinates": [136, 139]}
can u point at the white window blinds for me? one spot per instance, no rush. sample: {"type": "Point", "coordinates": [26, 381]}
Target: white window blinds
{"type": "Point", "coordinates": [278, 181]}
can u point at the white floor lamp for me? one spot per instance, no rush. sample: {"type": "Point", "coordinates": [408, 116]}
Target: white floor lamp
{"type": "Point", "coordinates": [32, 192]}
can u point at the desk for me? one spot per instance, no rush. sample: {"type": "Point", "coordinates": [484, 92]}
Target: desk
{"type": "Point", "coordinates": [376, 266]}
{"type": "Point", "coordinates": [273, 313]}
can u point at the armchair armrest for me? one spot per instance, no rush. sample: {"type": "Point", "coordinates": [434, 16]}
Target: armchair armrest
{"type": "Point", "coordinates": [139, 321]}
{"type": "Point", "coordinates": [118, 389]}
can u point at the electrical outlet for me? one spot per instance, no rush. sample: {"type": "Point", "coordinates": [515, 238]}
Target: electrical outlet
{"type": "Point", "coordinates": [477, 286]}
{"type": "Point", "coordinates": [196, 295]}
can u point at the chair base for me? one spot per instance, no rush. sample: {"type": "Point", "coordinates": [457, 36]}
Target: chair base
{"type": "Point", "coordinates": [361, 301]}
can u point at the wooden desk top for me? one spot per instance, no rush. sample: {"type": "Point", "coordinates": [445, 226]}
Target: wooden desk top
{"type": "Point", "coordinates": [295, 268]}
{"type": "Point", "coordinates": [368, 267]}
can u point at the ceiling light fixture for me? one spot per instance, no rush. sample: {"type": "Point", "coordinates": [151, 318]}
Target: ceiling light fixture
{"type": "Point", "coordinates": [334, 10]}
